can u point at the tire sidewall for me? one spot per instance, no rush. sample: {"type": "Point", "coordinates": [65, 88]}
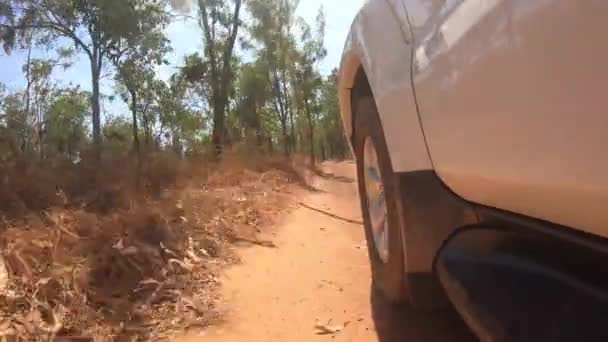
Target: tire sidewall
{"type": "Point", "coordinates": [388, 277]}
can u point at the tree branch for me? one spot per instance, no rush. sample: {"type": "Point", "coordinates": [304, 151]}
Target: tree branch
{"type": "Point", "coordinates": [56, 24]}
{"type": "Point", "coordinates": [209, 43]}
{"type": "Point", "coordinates": [99, 60]}
{"type": "Point", "coordinates": [229, 49]}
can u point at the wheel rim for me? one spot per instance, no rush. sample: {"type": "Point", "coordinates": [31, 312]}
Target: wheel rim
{"type": "Point", "coordinates": [376, 200]}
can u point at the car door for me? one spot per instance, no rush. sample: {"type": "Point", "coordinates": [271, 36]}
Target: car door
{"type": "Point", "coordinates": [513, 103]}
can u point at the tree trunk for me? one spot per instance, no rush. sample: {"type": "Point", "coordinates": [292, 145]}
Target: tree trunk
{"type": "Point", "coordinates": [136, 146]}
{"type": "Point", "coordinates": [270, 145]}
{"type": "Point", "coordinates": [147, 129]}
{"type": "Point", "coordinates": [176, 142]}
{"type": "Point", "coordinates": [221, 71]}
{"type": "Point", "coordinates": [95, 107]}
{"type": "Point", "coordinates": [259, 134]}
{"type": "Point", "coordinates": [70, 149]}
{"type": "Point", "coordinates": [28, 91]}
{"type": "Point", "coordinates": [311, 134]}
{"type": "Point", "coordinates": [289, 111]}
{"type": "Point", "coordinates": [40, 134]}
{"type": "Point", "coordinates": [323, 153]}
{"type": "Point", "coordinates": [285, 137]}
{"type": "Point", "coordinates": [218, 127]}
{"type": "Point", "coordinates": [292, 128]}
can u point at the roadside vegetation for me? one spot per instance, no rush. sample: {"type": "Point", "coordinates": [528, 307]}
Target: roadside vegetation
{"type": "Point", "coordinates": [114, 222]}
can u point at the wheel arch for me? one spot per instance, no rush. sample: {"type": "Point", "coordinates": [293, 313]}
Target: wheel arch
{"type": "Point", "coordinates": [361, 88]}
{"type": "Point", "coordinates": [377, 61]}
{"type": "Point", "coordinates": [350, 69]}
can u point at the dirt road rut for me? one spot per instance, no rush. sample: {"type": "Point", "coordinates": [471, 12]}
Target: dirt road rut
{"type": "Point", "coordinates": [317, 280]}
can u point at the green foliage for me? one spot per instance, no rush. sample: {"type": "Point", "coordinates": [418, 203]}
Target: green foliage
{"type": "Point", "coordinates": [16, 132]}
{"type": "Point", "coordinates": [117, 136]}
{"type": "Point", "coordinates": [299, 96]}
{"type": "Point", "coordinates": [136, 83]}
{"type": "Point", "coordinates": [66, 131]}
{"type": "Point", "coordinates": [332, 139]}
{"type": "Point", "coordinates": [220, 21]}
{"type": "Point", "coordinates": [253, 94]}
{"type": "Point", "coordinates": [101, 29]}
{"type": "Point", "coordinates": [275, 99]}
{"type": "Point", "coordinates": [181, 119]}
{"type": "Point", "coordinates": [194, 68]}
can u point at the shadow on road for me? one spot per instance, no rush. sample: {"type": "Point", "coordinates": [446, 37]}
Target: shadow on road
{"type": "Point", "coordinates": [403, 323]}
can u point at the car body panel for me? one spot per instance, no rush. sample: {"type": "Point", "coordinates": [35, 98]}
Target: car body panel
{"type": "Point", "coordinates": [382, 49]}
{"type": "Point", "coordinates": [512, 101]}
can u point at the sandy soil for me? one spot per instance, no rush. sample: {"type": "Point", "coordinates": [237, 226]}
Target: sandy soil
{"type": "Point", "coordinates": [319, 273]}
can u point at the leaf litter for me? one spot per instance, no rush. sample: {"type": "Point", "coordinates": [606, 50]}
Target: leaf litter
{"type": "Point", "coordinates": [145, 272]}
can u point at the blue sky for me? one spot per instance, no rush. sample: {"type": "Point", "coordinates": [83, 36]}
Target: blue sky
{"type": "Point", "coordinates": [185, 39]}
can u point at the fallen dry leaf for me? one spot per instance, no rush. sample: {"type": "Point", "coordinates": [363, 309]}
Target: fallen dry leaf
{"type": "Point", "coordinates": [129, 250]}
{"type": "Point", "coordinates": [149, 282]}
{"type": "Point", "coordinates": [43, 281]}
{"type": "Point", "coordinates": [119, 245]}
{"type": "Point", "coordinates": [3, 276]}
{"type": "Point", "coordinates": [5, 327]}
{"type": "Point", "coordinates": [184, 265]}
{"type": "Point", "coordinates": [329, 329]}
{"type": "Point", "coordinates": [53, 279]}
{"type": "Point", "coordinates": [167, 250]}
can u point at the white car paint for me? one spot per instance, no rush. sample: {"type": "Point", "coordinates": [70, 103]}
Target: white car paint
{"type": "Point", "coordinates": [381, 48]}
{"type": "Point", "coordinates": [510, 95]}
{"type": "Point", "coordinates": [514, 108]}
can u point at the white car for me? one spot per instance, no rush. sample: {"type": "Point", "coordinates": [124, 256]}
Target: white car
{"type": "Point", "coordinates": [480, 129]}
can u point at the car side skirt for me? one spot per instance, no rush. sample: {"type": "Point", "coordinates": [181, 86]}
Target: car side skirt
{"type": "Point", "coordinates": [513, 278]}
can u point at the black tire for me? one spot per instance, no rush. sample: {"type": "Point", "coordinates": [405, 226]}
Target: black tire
{"type": "Point", "coordinates": [389, 277]}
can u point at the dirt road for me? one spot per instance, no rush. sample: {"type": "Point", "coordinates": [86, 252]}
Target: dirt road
{"type": "Point", "coordinates": [319, 273]}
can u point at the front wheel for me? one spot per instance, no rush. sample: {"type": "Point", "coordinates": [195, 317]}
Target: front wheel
{"type": "Point", "coordinates": [380, 206]}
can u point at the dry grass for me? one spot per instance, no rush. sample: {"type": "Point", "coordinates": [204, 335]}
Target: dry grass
{"type": "Point", "coordinates": [92, 252]}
